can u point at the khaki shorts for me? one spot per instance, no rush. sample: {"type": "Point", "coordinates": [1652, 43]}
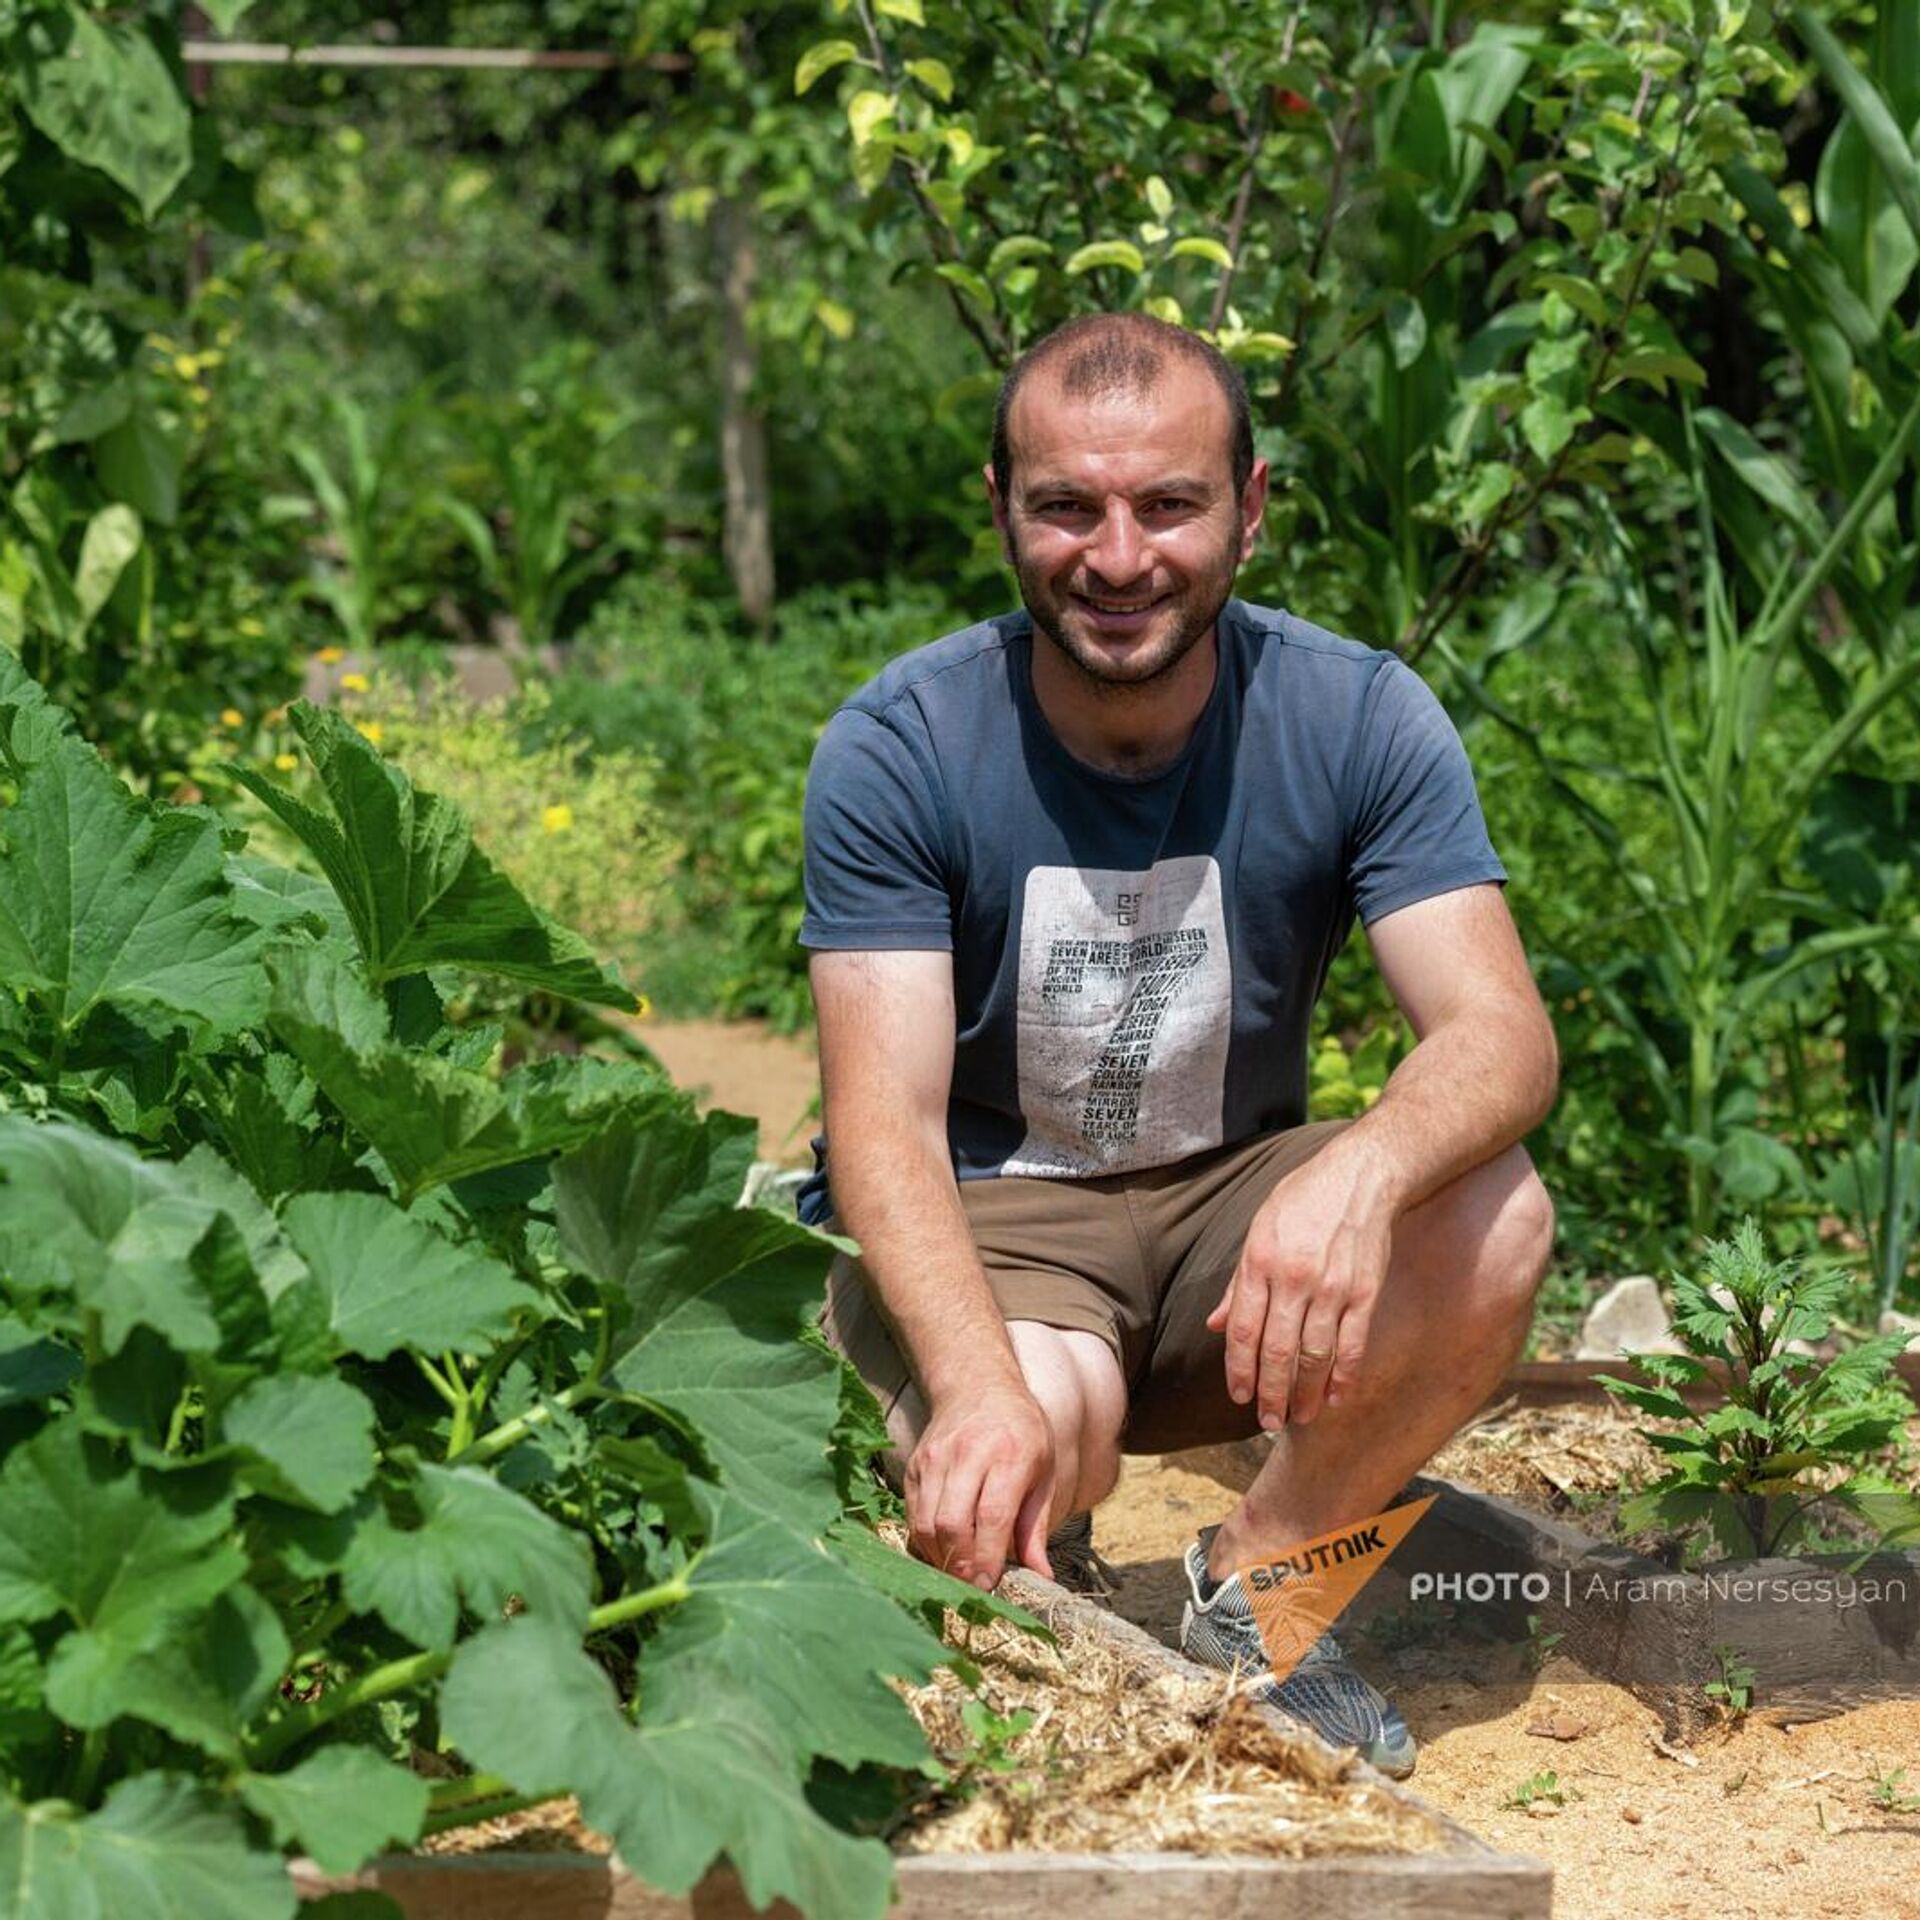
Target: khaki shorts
{"type": "Point", "coordinates": [1140, 1259]}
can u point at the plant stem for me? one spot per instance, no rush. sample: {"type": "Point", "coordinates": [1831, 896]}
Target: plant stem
{"type": "Point", "coordinates": [86, 1766]}
{"type": "Point", "coordinates": [509, 1434]}
{"type": "Point", "coordinates": [400, 1676]}
{"type": "Point", "coordinates": [478, 1810]}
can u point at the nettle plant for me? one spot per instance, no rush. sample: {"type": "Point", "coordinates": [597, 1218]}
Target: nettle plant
{"type": "Point", "coordinates": [388, 1440]}
{"type": "Point", "coordinates": [1799, 1433]}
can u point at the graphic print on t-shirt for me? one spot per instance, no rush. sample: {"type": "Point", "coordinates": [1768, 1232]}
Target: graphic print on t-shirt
{"type": "Point", "coordinates": [1125, 1010]}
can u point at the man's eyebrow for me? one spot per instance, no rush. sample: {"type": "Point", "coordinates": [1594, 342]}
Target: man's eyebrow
{"type": "Point", "coordinates": [1153, 490]}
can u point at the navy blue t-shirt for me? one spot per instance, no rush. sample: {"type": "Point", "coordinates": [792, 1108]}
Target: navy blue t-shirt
{"type": "Point", "coordinates": [1135, 960]}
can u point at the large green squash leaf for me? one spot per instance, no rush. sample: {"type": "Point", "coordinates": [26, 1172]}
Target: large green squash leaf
{"type": "Point", "coordinates": [311, 1438]}
{"type": "Point", "coordinates": [712, 1297]}
{"type": "Point", "coordinates": [161, 1848]}
{"type": "Point", "coordinates": [130, 1239]}
{"type": "Point", "coordinates": [102, 94]}
{"type": "Point", "coordinates": [105, 900]}
{"type": "Point", "coordinates": [205, 1683]}
{"type": "Point", "coordinates": [390, 1280]}
{"type": "Point", "coordinates": [524, 1701]}
{"type": "Point", "coordinates": [775, 1623]}
{"type": "Point", "coordinates": [430, 1120]}
{"type": "Point", "coordinates": [478, 1544]}
{"type": "Point", "coordinates": [418, 891]}
{"type": "Point", "coordinates": [123, 1555]}
{"type": "Point", "coordinates": [342, 1806]}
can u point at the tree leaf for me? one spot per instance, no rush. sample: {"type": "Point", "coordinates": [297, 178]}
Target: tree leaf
{"type": "Point", "coordinates": [418, 891]}
{"type": "Point", "coordinates": [314, 1435]}
{"type": "Point", "coordinates": [478, 1544]}
{"type": "Point", "coordinates": [866, 110]}
{"type": "Point", "coordinates": [711, 1298]}
{"type": "Point", "coordinates": [821, 58]}
{"type": "Point", "coordinates": [1106, 253]}
{"type": "Point", "coordinates": [935, 75]}
{"type": "Point", "coordinates": [1015, 248]}
{"type": "Point", "coordinates": [391, 1281]}
{"type": "Point", "coordinates": [112, 539]}
{"type": "Point", "coordinates": [524, 1701]}
{"type": "Point", "coordinates": [105, 900]}
{"type": "Point", "coordinates": [160, 1847]}
{"type": "Point", "coordinates": [342, 1805]}
{"type": "Point", "coordinates": [139, 462]}
{"type": "Point", "coordinates": [908, 10]}
{"type": "Point", "coordinates": [102, 94]}
{"type": "Point", "coordinates": [1198, 246]}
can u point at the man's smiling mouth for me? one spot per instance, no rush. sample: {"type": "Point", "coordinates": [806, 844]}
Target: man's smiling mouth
{"type": "Point", "coordinates": [1118, 606]}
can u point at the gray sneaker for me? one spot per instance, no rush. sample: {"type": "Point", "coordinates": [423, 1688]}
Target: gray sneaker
{"type": "Point", "coordinates": [1325, 1690]}
{"type": "Point", "coordinates": [1076, 1563]}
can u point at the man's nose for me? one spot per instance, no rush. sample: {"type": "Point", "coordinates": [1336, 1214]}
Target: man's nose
{"type": "Point", "coordinates": [1116, 551]}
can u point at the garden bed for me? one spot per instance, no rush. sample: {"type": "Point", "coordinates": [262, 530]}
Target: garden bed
{"type": "Point", "coordinates": [1137, 1782]}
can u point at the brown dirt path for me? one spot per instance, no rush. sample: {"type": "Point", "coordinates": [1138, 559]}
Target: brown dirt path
{"type": "Point", "coordinates": [742, 1066]}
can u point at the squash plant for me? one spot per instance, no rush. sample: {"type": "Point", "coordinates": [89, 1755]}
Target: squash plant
{"type": "Point", "coordinates": [386, 1439]}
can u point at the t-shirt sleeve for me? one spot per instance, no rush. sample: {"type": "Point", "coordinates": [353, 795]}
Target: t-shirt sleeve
{"type": "Point", "coordinates": [1415, 825]}
{"type": "Point", "coordinates": [876, 866]}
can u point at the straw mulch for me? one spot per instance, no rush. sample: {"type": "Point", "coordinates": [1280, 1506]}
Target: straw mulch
{"type": "Point", "coordinates": [1574, 1459]}
{"type": "Point", "coordinates": [1126, 1754]}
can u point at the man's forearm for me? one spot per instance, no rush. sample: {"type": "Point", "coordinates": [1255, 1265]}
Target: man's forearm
{"type": "Point", "coordinates": [894, 1190]}
{"type": "Point", "coordinates": [1470, 1089]}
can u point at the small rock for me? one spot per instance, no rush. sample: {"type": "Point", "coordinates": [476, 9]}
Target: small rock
{"type": "Point", "coordinates": [1793, 1857]}
{"type": "Point", "coordinates": [1907, 1323]}
{"type": "Point", "coordinates": [1631, 1815]}
{"type": "Point", "coordinates": [1630, 1317]}
{"type": "Point", "coordinates": [1559, 1726]}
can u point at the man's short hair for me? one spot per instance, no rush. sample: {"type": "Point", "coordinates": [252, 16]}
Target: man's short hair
{"type": "Point", "coordinates": [1102, 353]}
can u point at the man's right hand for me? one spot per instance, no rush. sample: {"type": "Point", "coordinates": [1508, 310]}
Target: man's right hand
{"type": "Point", "coordinates": [981, 1482]}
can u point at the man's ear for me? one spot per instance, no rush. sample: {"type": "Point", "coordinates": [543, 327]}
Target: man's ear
{"type": "Point", "coordinates": [999, 507]}
{"type": "Point", "coordinates": [1253, 509]}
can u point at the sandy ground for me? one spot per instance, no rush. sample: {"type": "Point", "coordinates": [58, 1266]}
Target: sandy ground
{"type": "Point", "coordinates": [741, 1067]}
{"type": "Point", "coordinates": [1759, 1820]}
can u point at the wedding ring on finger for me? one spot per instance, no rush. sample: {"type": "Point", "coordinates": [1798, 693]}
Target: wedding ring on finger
{"type": "Point", "coordinates": [1318, 1356]}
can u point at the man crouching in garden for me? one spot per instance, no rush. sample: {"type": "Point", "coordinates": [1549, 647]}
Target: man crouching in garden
{"type": "Point", "coordinates": [1074, 879]}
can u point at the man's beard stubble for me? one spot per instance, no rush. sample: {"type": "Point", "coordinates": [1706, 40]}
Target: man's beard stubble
{"type": "Point", "coordinates": [1197, 606]}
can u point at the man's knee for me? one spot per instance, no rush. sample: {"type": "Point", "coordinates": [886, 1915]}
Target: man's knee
{"type": "Point", "coordinates": [1077, 1381]}
{"type": "Point", "coordinates": [1489, 1236]}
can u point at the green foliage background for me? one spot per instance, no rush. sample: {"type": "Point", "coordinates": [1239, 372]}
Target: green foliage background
{"type": "Point", "coordinates": [1583, 344]}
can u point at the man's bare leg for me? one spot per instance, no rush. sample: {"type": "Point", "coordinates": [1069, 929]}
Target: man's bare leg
{"type": "Point", "coordinates": [1077, 1381]}
{"type": "Point", "coordinates": [1451, 1317]}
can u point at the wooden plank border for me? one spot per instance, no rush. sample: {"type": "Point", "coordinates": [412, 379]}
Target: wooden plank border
{"type": "Point", "coordinates": [1465, 1879]}
{"type": "Point", "coordinates": [980, 1886]}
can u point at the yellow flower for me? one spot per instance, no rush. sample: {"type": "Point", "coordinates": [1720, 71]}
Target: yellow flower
{"type": "Point", "coordinates": [286, 762]}
{"type": "Point", "coordinates": [642, 1006]}
{"type": "Point", "coordinates": [556, 819]}
{"type": "Point", "coordinates": [232, 717]}
{"type": "Point", "coordinates": [328, 655]}
{"type": "Point", "coordinates": [354, 682]}
{"type": "Point", "coordinates": [370, 730]}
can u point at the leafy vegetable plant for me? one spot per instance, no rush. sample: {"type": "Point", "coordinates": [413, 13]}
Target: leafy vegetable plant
{"type": "Point", "coordinates": [360, 1402]}
{"type": "Point", "coordinates": [1797, 1431]}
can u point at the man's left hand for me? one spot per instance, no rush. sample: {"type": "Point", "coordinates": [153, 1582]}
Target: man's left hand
{"type": "Point", "coordinates": [1297, 1310]}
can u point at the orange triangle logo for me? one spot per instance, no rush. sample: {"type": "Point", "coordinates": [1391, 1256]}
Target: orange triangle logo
{"type": "Point", "coordinates": [1299, 1594]}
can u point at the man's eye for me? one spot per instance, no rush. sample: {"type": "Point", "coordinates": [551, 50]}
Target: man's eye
{"type": "Point", "coordinates": [1169, 505]}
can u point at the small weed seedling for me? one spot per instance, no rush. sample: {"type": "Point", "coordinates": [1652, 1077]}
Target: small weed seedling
{"type": "Point", "coordinates": [1540, 1789]}
{"type": "Point", "coordinates": [1540, 1644]}
{"type": "Point", "coordinates": [1888, 1794]}
{"type": "Point", "coordinates": [1732, 1692]}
